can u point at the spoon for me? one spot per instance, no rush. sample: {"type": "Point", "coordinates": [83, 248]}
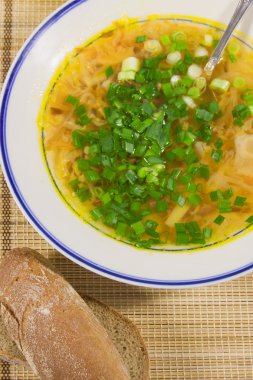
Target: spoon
{"type": "Point", "coordinates": [241, 9]}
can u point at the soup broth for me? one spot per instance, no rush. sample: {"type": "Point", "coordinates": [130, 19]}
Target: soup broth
{"type": "Point", "coordinates": [145, 147]}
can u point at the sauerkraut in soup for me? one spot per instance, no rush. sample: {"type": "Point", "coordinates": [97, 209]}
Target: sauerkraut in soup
{"type": "Point", "coordinates": [143, 145]}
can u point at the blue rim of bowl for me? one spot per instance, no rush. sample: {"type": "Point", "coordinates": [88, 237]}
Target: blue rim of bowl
{"type": "Point", "coordinates": [28, 212]}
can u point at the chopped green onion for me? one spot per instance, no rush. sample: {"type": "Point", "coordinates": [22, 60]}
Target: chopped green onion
{"type": "Point", "coordinates": [214, 108]}
{"type": "Point", "coordinates": [240, 113]}
{"type": "Point", "coordinates": [106, 198]}
{"type": "Point", "coordinates": [165, 39]}
{"type": "Point", "coordinates": [181, 45]}
{"type": "Point", "coordinates": [96, 213]}
{"type": "Point", "coordinates": [131, 176]}
{"type": "Point", "coordinates": [153, 47]}
{"type": "Point", "coordinates": [155, 194]}
{"type": "Point", "coordinates": [178, 36]}
{"type": "Point", "coordinates": [200, 83]}
{"type": "Point", "coordinates": [250, 219]}
{"type": "Point", "coordinates": [214, 196]}
{"type": "Point", "coordinates": [194, 92]}
{"type": "Point", "coordinates": [251, 110]}
{"type": "Point", "coordinates": [83, 194]}
{"type": "Point", "coordinates": [121, 168]}
{"type": "Point", "coordinates": [176, 173]}
{"type": "Point", "coordinates": [204, 171]}
{"type": "Point", "coordinates": [158, 168]}
{"type": "Point", "coordinates": [232, 58]}
{"type": "Point", "coordinates": [154, 160]}
{"type": "Point", "coordinates": [129, 147]}
{"type": "Point", "coordinates": [219, 220]}
{"type": "Point", "coordinates": [111, 218]}
{"type": "Point", "coordinates": [151, 226]}
{"type": "Point", "coordinates": [131, 64]}
{"type": "Point", "coordinates": [161, 206]}
{"type": "Point", "coordinates": [72, 100]}
{"type": "Point", "coordinates": [83, 164]}
{"type": "Point", "coordinates": [207, 233]}
{"type": "Point", "coordinates": [186, 138]}
{"type": "Point", "coordinates": [135, 206]}
{"type": "Point", "coordinates": [78, 138]}
{"type": "Point", "coordinates": [125, 76]}
{"type": "Point", "coordinates": [126, 134]}
{"type": "Point", "coordinates": [109, 174]}
{"type": "Point", "coordinates": [174, 57]}
{"type": "Point", "coordinates": [240, 201]}
{"type": "Point", "coordinates": [215, 42]}
{"type": "Point", "coordinates": [179, 152]}
{"type": "Point", "coordinates": [217, 155]}
{"type": "Point", "coordinates": [109, 72]}
{"type": "Point", "coordinates": [152, 178]}
{"type": "Point", "coordinates": [182, 238]}
{"type": "Point", "coordinates": [219, 143]}
{"type": "Point", "coordinates": [198, 241]}
{"type": "Point", "coordinates": [121, 229]}
{"type": "Point", "coordinates": [194, 199]}
{"type": "Point", "coordinates": [239, 82]}
{"type": "Point", "coordinates": [191, 187]}
{"type": "Point", "coordinates": [138, 228]}
{"type": "Point", "coordinates": [224, 206]}
{"type": "Point", "coordinates": [185, 179]}
{"type": "Point", "coordinates": [74, 184]}
{"type": "Point", "coordinates": [92, 176]}
{"type": "Point", "coordinates": [140, 39]}
{"type": "Point", "coordinates": [171, 184]}
{"type": "Point", "coordinates": [146, 211]}
{"type": "Point", "coordinates": [220, 85]}
{"type": "Point", "coordinates": [247, 96]}
{"type": "Point", "coordinates": [189, 102]}
{"type": "Point", "coordinates": [201, 52]}
{"type": "Point", "coordinates": [175, 80]}
{"type": "Point", "coordinates": [143, 172]}
{"type": "Point", "coordinates": [83, 120]}
{"type": "Point", "coordinates": [202, 116]}
{"type": "Point", "coordinates": [138, 190]}
{"type": "Point", "coordinates": [228, 193]}
{"type": "Point", "coordinates": [181, 201]}
{"type": "Point", "coordinates": [180, 227]}
{"type": "Point", "coordinates": [233, 48]}
{"type": "Point", "coordinates": [208, 40]}
{"type": "Point", "coordinates": [194, 71]}
{"type": "Point", "coordinates": [193, 229]}
{"type": "Point", "coordinates": [80, 110]}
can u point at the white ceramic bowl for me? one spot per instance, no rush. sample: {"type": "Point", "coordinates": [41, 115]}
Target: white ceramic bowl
{"type": "Point", "coordinates": [28, 179]}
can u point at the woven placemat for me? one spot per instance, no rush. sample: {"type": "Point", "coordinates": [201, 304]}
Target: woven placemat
{"type": "Point", "coordinates": [204, 333]}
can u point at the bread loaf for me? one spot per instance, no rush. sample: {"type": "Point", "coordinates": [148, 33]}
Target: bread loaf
{"type": "Point", "coordinates": [53, 327]}
{"type": "Point", "coordinates": [121, 330]}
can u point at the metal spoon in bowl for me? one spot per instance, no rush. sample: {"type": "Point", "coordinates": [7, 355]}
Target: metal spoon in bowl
{"type": "Point", "coordinates": [242, 7]}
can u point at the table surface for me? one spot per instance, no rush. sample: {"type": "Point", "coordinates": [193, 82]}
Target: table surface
{"type": "Point", "coordinates": [204, 333]}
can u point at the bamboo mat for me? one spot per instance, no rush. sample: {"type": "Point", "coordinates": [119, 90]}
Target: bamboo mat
{"type": "Point", "coordinates": [204, 333]}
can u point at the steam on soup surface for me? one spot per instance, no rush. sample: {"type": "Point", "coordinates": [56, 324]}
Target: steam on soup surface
{"type": "Point", "coordinates": [144, 146]}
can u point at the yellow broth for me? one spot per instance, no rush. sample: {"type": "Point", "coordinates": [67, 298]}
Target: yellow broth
{"type": "Point", "coordinates": [84, 77]}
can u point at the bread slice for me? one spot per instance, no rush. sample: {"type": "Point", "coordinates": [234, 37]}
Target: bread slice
{"type": "Point", "coordinates": [122, 331]}
{"type": "Point", "coordinates": [126, 338]}
{"type": "Point", "coordinates": [9, 352]}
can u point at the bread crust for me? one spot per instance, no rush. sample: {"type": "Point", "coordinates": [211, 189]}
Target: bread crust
{"type": "Point", "coordinates": [13, 356]}
{"type": "Point", "coordinates": [53, 327]}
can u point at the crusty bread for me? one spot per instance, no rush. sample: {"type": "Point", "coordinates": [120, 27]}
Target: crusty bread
{"type": "Point", "coordinates": [122, 331]}
{"type": "Point", "coordinates": [8, 349]}
{"type": "Point", "coordinates": [126, 338]}
{"type": "Point", "coordinates": [53, 327]}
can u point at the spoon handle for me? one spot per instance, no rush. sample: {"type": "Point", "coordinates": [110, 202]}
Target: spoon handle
{"type": "Point", "coordinates": [237, 16]}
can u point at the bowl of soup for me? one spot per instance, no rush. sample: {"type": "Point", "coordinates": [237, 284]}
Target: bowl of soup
{"type": "Point", "coordinates": [119, 149]}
